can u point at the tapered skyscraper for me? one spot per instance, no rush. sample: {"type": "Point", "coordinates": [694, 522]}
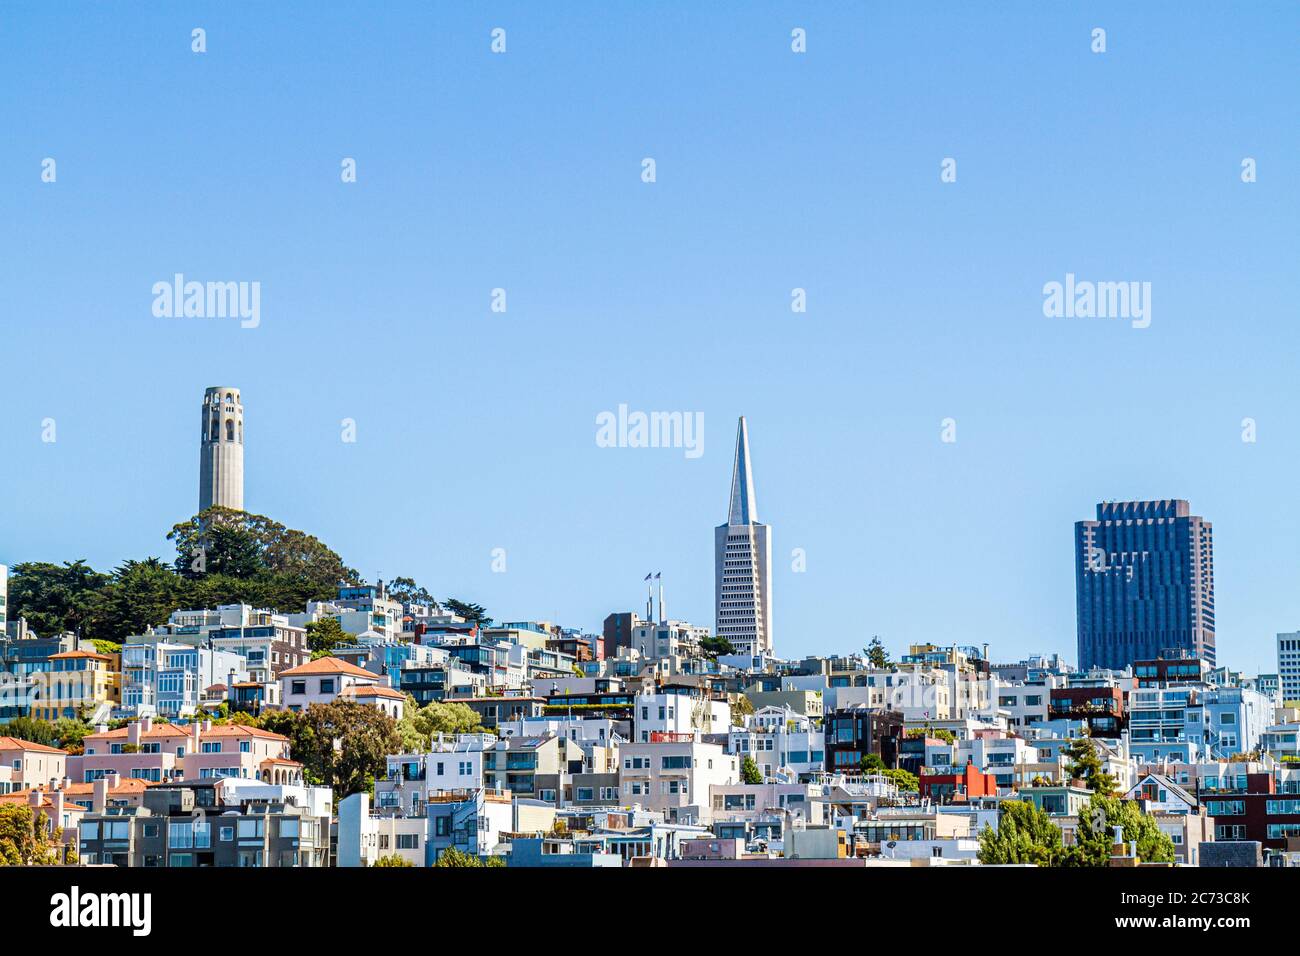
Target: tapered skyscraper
{"type": "Point", "coordinates": [221, 450]}
{"type": "Point", "coordinates": [742, 563]}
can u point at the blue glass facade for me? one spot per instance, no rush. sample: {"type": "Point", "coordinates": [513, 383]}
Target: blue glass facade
{"type": "Point", "coordinates": [1144, 580]}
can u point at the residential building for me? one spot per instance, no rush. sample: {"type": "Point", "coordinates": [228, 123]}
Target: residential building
{"type": "Point", "coordinates": [852, 734]}
{"type": "Point", "coordinates": [213, 823]}
{"type": "Point", "coordinates": [322, 681]}
{"type": "Point", "coordinates": [31, 764]}
{"type": "Point", "coordinates": [78, 683]}
{"type": "Point", "coordinates": [673, 773]}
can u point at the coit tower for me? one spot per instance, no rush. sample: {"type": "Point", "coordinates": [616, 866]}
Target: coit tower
{"type": "Point", "coordinates": [221, 450]}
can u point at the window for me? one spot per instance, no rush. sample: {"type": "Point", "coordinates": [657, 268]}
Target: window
{"type": "Point", "coordinates": [298, 687]}
{"type": "Point", "coordinates": [327, 685]}
{"type": "Point", "coordinates": [407, 841]}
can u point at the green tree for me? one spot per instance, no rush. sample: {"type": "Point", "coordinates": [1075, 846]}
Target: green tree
{"type": "Point", "coordinates": [454, 857]}
{"type": "Point", "coordinates": [872, 763]}
{"type": "Point", "coordinates": [905, 780]}
{"type": "Point", "coordinates": [714, 646]}
{"type": "Point", "coordinates": [253, 558]}
{"type": "Point", "coordinates": [325, 635]}
{"type": "Point", "coordinates": [25, 838]}
{"type": "Point", "coordinates": [1025, 834]}
{"type": "Point", "coordinates": [52, 597]}
{"type": "Point", "coordinates": [1086, 765]}
{"type": "Point", "coordinates": [140, 595]}
{"type": "Point", "coordinates": [392, 859]}
{"type": "Point", "coordinates": [1094, 836]}
{"type": "Point", "coordinates": [876, 654]}
{"type": "Point", "coordinates": [32, 730]}
{"type": "Point", "coordinates": [408, 592]}
{"type": "Point", "coordinates": [749, 771]}
{"type": "Point", "coordinates": [344, 744]}
{"type": "Point", "coordinates": [70, 731]}
{"type": "Point", "coordinates": [474, 613]}
{"type": "Point", "coordinates": [419, 724]}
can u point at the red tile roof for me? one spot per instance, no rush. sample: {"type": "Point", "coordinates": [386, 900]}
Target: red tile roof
{"type": "Point", "coordinates": [328, 665]}
{"type": "Point", "coordinates": [14, 743]}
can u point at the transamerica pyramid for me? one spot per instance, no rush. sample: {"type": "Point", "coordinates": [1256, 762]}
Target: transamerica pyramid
{"type": "Point", "coordinates": [742, 565]}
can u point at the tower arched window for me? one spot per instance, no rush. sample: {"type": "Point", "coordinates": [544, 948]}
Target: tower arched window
{"type": "Point", "coordinates": [216, 429]}
{"type": "Point", "coordinates": [230, 396]}
{"type": "Point", "coordinates": [230, 429]}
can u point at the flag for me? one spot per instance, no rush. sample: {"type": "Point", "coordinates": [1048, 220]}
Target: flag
{"type": "Point", "coordinates": [647, 577]}
{"type": "Point", "coordinates": [658, 575]}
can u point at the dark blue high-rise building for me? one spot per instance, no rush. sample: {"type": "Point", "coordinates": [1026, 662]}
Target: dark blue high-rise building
{"type": "Point", "coordinates": [1144, 578]}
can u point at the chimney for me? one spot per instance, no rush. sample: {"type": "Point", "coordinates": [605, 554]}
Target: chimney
{"type": "Point", "coordinates": [196, 731]}
{"type": "Point", "coordinates": [133, 732]}
{"type": "Point", "coordinates": [207, 724]}
{"type": "Point", "coordinates": [67, 782]}
{"type": "Point", "coordinates": [148, 724]}
{"type": "Point", "coordinates": [114, 780]}
{"type": "Point", "coordinates": [56, 814]}
{"type": "Point", "coordinates": [99, 800]}
{"type": "Point", "coordinates": [36, 797]}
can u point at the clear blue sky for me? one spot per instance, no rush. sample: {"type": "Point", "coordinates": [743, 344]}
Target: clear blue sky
{"type": "Point", "coordinates": [476, 430]}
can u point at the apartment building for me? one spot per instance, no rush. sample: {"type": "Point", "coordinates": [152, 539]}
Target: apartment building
{"type": "Point", "coordinates": [453, 764]}
{"type": "Point", "coordinates": [673, 773]}
{"type": "Point", "coordinates": [781, 742]}
{"type": "Point", "coordinates": [852, 734]}
{"type": "Point", "coordinates": [678, 713]}
{"type": "Point", "coordinates": [30, 764]}
{"type": "Point", "coordinates": [216, 823]}
{"type": "Point", "coordinates": [169, 680]}
{"type": "Point", "coordinates": [78, 682]}
{"type": "Point", "coordinates": [161, 751]}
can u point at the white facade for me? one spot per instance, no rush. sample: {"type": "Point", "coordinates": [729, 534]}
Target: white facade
{"type": "Point", "coordinates": [678, 714]}
{"type": "Point", "coordinates": [674, 777]}
{"type": "Point", "coordinates": [743, 563]}
{"type": "Point", "coordinates": [1288, 665]}
{"type": "Point", "coordinates": [781, 742]}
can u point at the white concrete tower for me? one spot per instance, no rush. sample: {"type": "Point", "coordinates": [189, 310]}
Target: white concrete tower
{"type": "Point", "coordinates": [221, 450]}
{"type": "Point", "coordinates": [742, 562]}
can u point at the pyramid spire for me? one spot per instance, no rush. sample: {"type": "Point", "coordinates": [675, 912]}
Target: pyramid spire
{"type": "Point", "coordinates": [743, 508]}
